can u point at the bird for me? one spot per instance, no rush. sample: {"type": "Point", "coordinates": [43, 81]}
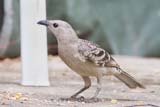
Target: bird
{"type": "Point", "coordinates": [86, 58]}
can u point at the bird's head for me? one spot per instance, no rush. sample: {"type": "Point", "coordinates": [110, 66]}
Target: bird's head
{"type": "Point", "coordinates": [58, 27]}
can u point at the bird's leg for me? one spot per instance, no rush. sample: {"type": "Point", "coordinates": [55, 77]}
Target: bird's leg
{"type": "Point", "coordinates": [99, 86]}
{"type": "Point", "coordinates": [87, 84]}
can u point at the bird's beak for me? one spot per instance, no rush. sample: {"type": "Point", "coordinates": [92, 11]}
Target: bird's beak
{"type": "Point", "coordinates": [43, 22]}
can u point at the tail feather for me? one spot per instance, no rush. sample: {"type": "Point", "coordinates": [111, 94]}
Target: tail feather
{"type": "Point", "coordinates": [128, 80]}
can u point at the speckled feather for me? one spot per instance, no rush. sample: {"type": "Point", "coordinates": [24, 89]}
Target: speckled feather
{"type": "Point", "coordinates": [94, 53]}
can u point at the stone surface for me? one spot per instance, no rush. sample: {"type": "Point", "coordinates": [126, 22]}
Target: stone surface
{"type": "Point", "coordinates": [65, 82]}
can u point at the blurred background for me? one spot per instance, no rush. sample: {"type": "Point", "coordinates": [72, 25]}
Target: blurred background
{"type": "Point", "coordinates": [123, 27]}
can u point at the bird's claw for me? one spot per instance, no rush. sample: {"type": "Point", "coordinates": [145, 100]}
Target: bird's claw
{"type": "Point", "coordinates": [72, 98]}
{"type": "Point", "coordinates": [80, 99]}
{"type": "Point", "coordinates": [95, 99]}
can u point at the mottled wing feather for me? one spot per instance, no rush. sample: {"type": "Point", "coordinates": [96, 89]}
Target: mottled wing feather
{"type": "Point", "coordinates": [94, 53]}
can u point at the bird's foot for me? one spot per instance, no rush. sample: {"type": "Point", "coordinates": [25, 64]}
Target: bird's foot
{"type": "Point", "coordinates": [74, 98]}
{"type": "Point", "coordinates": [95, 99]}
{"type": "Point", "coordinates": [81, 99]}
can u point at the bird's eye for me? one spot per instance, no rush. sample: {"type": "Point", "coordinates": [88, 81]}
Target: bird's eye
{"type": "Point", "coordinates": [55, 25]}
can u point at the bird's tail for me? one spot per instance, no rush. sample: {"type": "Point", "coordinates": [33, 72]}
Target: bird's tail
{"type": "Point", "coordinates": [128, 80]}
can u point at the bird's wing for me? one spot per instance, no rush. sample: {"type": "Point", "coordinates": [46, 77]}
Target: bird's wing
{"type": "Point", "coordinates": [95, 54]}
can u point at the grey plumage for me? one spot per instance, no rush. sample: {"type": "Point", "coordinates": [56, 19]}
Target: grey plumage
{"type": "Point", "coordinates": [86, 58]}
{"type": "Point", "coordinates": [100, 57]}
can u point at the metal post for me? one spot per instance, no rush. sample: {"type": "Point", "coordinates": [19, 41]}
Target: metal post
{"type": "Point", "coordinates": [33, 43]}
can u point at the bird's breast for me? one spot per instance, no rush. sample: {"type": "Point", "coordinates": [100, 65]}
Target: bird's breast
{"type": "Point", "coordinates": [80, 66]}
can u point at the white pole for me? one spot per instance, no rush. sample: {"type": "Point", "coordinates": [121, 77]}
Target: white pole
{"type": "Point", "coordinates": [33, 43]}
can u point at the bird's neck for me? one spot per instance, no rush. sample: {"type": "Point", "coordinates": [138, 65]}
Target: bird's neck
{"type": "Point", "coordinates": [67, 46]}
{"type": "Point", "coordinates": [66, 39]}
